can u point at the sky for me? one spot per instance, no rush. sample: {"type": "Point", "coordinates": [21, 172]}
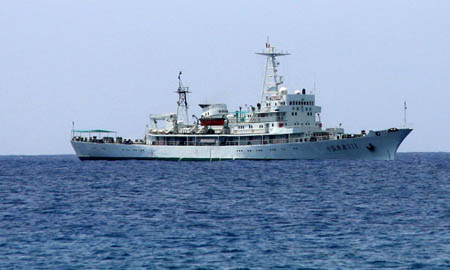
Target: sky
{"type": "Point", "coordinates": [109, 64]}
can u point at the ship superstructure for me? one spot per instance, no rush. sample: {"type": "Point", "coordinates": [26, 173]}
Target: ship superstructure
{"type": "Point", "coordinates": [281, 125]}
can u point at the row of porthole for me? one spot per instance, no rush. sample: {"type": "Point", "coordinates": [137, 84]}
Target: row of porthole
{"type": "Point", "coordinates": [249, 126]}
{"type": "Point", "coordinates": [142, 150]}
{"type": "Point", "coordinates": [295, 102]}
{"type": "Point", "coordinates": [298, 109]}
{"type": "Point", "coordinates": [307, 113]}
{"type": "Point", "coordinates": [249, 150]}
{"type": "Point", "coordinates": [270, 150]}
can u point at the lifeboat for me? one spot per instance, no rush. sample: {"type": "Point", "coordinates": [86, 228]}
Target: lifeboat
{"type": "Point", "coordinates": [212, 121]}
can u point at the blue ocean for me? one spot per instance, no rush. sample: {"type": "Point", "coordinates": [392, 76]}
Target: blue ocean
{"type": "Point", "coordinates": [57, 212]}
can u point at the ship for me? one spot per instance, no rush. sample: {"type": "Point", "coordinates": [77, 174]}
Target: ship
{"type": "Point", "coordinates": [282, 125]}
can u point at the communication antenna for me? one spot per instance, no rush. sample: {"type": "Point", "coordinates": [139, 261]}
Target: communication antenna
{"type": "Point", "coordinates": [314, 85]}
{"type": "Point", "coordinates": [313, 91]}
{"type": "Point", "coordinates": [404, 114]}
{"type": "Point", "coordinates": [182, 102]}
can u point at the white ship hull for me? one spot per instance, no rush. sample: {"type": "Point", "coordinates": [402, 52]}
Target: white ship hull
{"type": "Point", "coordinates": [371, 147]}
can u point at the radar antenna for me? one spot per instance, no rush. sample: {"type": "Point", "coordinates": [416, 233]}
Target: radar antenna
{"type": "Point", "coordinates": [271, 79]}
{"type": "Point", "coordinates": [182, 102]}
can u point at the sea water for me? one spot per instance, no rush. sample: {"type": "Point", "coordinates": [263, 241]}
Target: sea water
{"type": "Point", "coordinates": [57, 212]}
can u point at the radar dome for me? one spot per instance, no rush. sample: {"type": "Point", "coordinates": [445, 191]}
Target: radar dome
{"type": "Point", "coordinates": [283, 90]}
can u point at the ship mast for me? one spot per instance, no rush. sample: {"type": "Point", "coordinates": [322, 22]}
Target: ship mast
{"type": "Point", "coordinates": [182, 102]}
{"type": "Point", "coordinates": [271, 79]}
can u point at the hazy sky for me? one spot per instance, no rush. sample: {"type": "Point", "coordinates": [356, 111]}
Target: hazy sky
{"type": "Point", "coordinates": [108, 64]}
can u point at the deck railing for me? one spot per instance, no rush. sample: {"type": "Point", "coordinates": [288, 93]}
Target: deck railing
{"type": "Point", "coordinates": [256, 140]}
